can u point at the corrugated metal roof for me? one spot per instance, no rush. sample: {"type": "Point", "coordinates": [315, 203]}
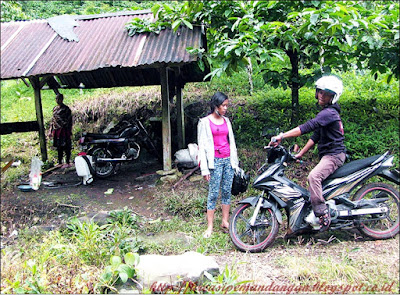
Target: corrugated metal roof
{"type": "Point", "coordinates": [105, 56]}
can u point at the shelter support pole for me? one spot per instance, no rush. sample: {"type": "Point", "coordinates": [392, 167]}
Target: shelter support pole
{"type": "Point", "coordinates": [39, 116]}
{"type": "Point", "coordinates": [166, 122]}
{"type": "Point", "coordinates": [180, 118]}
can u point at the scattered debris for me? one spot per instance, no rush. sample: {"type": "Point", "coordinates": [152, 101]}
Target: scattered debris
{"type": "Point", "coordinates": [13, 233]}
{"type": "Point", "coordinates": [48, 171]}
{"type": "Point", "coordinates": [16, 163]}
{"type": "Point", "coordinates": [109, 191]}
{"type": "Point", "coordinates": [186, 176]}
{"type": "Point", "coordinates": [323, 242]}
{"type": "Point", "coordinates": [67, 205]}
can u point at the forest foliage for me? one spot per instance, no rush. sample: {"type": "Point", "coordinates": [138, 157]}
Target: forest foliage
{"type": "Point", "coordinates": [291, 43]}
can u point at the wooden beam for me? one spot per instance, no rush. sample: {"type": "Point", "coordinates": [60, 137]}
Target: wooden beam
{"type": "Point", "coordinates": [166, 122]}
{"type": "Point", "coordinates": [180, 117]}
{"type": "Point", "coordinates": [7, 128]}
{"type": "Point", "coordinates": [8, 165]}
{"type": "Point", "coordinates": [53, 84]}
{"type": "Point", "coordinates": [25, 82]}
{"type": "Point", "coordinates": [36, 84]}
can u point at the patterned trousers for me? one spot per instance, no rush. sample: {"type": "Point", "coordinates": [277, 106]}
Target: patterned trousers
{"type": "Point", "coordinates": [220, 178]}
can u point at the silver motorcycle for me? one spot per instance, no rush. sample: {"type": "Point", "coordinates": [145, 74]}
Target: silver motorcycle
{"type": "Point", "coordinates": [353, 196]}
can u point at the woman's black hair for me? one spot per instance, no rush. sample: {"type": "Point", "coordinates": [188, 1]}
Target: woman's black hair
{"type": "Point", "coordinates": [216, 100]}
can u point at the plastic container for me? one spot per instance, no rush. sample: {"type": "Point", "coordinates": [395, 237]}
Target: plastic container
{"type": "Point", "coordinates": [35, 177]}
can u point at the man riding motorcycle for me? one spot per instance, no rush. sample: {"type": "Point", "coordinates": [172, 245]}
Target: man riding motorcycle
{"type": "Point", "coordinates": [329, 135]}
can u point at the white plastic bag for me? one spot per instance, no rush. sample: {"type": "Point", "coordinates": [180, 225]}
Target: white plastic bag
{"type": "Point", "coordinates": [35, 177]}
{"type": "Point", "coordinates": [188, 156]}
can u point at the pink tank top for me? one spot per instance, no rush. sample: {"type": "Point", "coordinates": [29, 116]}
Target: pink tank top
{"type": "Point", "coordinates": [221, 144]}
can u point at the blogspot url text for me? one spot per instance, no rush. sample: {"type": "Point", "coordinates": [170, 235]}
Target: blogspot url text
{"type": "Point", "coordinates": [190, 287]}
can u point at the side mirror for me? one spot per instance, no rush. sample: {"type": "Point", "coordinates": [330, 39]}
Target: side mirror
{"type": "Point", "coordinates": [269, 132]}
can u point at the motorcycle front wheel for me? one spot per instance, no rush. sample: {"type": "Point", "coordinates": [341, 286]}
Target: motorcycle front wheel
{"type": "Point", "coordinates": [385, 225]}
{"type": "Point", "coordinates": [253, 238]}
{"type": "Point", "coordinates": [102, 170]}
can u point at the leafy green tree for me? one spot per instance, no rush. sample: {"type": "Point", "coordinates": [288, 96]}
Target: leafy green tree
{"type": "Point", "coordinates": [10, 11]}
{"type": "Point", "coordinates": [309, 37]}
{"type": "Point", "coordinates": [25, 10]}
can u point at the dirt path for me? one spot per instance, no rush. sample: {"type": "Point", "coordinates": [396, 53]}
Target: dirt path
{"type": "Point", "coordinates": [133, 187]}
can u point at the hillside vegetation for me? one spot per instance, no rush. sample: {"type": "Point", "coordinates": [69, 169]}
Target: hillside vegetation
{"type": "Point", "coordinates": [370, 112]}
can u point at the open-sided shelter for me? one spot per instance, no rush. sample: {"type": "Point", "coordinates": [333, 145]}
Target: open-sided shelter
{"type": "Point", "coordinates": [95, 51]}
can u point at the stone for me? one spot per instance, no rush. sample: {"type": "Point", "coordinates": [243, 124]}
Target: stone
{"type": "Point", "coordinates": [166, 172]}
{"type": "Point", "coordinates": [173, 269]}
{"type": "Point", "coordinates": [169, 178]}
{"type": "Point", "coordinates": [195, 178]}
{"type": "Point", "coordinates": [99, 217]}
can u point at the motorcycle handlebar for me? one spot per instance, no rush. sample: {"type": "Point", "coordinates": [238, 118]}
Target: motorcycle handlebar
{"type": "Point", "coordinates": [290, 157]}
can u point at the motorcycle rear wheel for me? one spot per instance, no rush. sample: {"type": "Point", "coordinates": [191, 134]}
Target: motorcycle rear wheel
{"type": "Point", "coordinates": [102, 170]}
{"type": "Point", "coordinates": [381, 226]}
{"type": "Point", "coordinates": [253, 238]}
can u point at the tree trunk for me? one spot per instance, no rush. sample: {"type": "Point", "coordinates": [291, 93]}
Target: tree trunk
{"type": "Point", "coordinates": [249, 70]}
{"type": "Point", "coordinates": [294, 85]}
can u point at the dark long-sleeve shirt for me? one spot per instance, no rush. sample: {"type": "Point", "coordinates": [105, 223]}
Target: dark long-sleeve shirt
{"type": "Point", "coordinates": [328, 131]}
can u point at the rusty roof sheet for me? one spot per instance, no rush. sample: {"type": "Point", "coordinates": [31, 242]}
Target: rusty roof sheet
{"type": "Point", "coordinates": [104, 56]}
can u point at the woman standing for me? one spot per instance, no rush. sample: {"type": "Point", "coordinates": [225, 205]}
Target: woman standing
{"type": "Point", "coordinates": [61, 130]}
{"type": "Point", "coordinates": [218, 158]}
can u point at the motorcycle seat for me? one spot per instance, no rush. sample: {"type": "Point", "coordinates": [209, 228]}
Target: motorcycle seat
{"type": "Point", "coordinates": [101, 135]}
{"type": "Point", "coordinates": [353, 166]}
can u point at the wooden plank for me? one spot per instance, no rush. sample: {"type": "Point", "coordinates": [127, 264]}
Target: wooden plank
{"type": "Point", "coordinates": [8, 165]}
{"type": "Point", "coordinates": [18, 127]}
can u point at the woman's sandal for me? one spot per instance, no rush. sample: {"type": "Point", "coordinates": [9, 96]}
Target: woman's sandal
{"type": "Point", "coordinates": [224, 229]}
{"type": "Point", "coordinates": [325, 221]}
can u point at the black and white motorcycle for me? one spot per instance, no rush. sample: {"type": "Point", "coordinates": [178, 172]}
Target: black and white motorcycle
{"type": "Point", "coordinates": [105, 151]}
{"type": "Point", "coordinates": [353, 197]}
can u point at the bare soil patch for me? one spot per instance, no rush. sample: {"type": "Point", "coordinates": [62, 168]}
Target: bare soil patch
{"type": "Point", "coordinates": [61, 195]}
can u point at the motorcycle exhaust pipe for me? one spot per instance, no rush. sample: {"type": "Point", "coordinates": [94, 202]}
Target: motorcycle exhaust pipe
{"type": "Point", "coordinates": [366, 211]}
{"type": "Point", "coordinates": [108, 160]}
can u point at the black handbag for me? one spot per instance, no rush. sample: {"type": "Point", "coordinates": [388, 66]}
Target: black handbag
{"type": "Point", "coordinates": [240, 182]}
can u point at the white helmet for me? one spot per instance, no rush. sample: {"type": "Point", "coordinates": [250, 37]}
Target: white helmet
{"type": "Point", "coordinates": [332, 84]}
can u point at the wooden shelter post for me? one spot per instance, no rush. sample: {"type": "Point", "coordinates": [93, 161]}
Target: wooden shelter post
{"type": "Point", "coordinates": [180, 115]}
{"type": "Point", "coordinates": [180, 118]}
{"type": "Point", "coordinates": [166, 122]}
{"type": "Point", "coordinates": [39, 116]}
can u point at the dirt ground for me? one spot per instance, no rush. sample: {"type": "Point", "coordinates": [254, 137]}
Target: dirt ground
{"type": "Point", "coordinates": [61, 194]}
{"type": "Point", "coordinates": [134, 187]}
